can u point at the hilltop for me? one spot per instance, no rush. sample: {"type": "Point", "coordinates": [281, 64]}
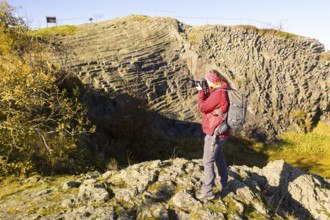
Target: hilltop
{"type": "Point", "coordinates": [133, 76]}
{"type": "Point", "coordinates": [167, 190]}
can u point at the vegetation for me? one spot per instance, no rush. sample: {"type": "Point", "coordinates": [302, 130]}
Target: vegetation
{"type": "Point", "coordinates": [300, 117]}
{"type": "Point", "coordinates": [39, 122]}
{"type": "Point", "coordinates": [246, 27]}
{"type": "Point", "coordinates": [274, 32]}
{"type": "Point", "coordinates": [53, 31]}
{"type": "Point", "coordinates": [325, 56]}
{"type": "Point", "coordinates": [268, 32]}
{"type": "Point", "coordinates": [307, 151]}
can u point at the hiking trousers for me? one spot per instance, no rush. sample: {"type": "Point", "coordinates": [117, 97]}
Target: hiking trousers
{"type": "Point", "coordinates": [213, 154]}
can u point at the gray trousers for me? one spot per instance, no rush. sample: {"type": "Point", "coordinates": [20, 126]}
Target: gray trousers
{"type": "Point", "coordinates": [211, 155]}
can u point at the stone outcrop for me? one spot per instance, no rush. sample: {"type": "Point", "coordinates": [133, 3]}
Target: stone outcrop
{"type": "Point", "coordinates": [167, 190]}
{"type": "Point", "coordinates": [286, 82]}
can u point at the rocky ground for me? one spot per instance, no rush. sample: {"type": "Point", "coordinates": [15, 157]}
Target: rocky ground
{"type": "Point", "coordinates": [167, 190]}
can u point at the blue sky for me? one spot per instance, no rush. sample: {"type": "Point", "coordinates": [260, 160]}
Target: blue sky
{"type": "Point", "coordinates": [302, 17]}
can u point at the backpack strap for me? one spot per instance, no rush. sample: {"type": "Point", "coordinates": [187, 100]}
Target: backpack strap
{"type": "Point", "coordinates": [216, 112]}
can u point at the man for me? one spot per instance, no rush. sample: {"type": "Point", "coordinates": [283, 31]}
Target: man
{"type": "Point", "coordinates": [216, 98]}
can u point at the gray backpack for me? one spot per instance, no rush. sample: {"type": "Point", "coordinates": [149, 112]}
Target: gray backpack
{"type": "Point", "coordinates": [235, 117]}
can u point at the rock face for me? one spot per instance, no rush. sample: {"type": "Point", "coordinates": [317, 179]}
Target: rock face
{"type": "Point", "coordinates": [286, 82]}
{"type": "Point", "coordinates": [167, 190]}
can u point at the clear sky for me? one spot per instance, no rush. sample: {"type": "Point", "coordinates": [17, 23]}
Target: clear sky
{"type": "Point", "coordinates": [309, 18]}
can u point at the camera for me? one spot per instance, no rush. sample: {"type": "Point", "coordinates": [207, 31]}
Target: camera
{"type": "Point", "coordinates": [195, 83]}
{"type": "Point", "coordinates": [202, 83]}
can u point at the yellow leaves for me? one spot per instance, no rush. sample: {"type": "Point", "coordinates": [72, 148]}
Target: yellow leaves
{"type": "Point", "coordinates": [6, 97]}
{"type": "Point", "coordinates": [92, 129]}
{"type": "Point", "coordinates": [39, 122]}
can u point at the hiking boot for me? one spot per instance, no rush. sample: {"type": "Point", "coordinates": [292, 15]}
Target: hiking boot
{"type": "Point", "coordinates": [205, 197]}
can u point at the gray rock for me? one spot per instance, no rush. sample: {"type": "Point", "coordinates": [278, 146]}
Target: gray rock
{"type": "Point", "coordinates": [125, 194]}
{"type": "Point", "coordinates": [300, 190]}
{"type": "Point", "coordinates": [44, 192]}
{"type": "Point", "coordinates": [154, 210]}
{"type": "Point", "coordinates": [89, 212]}
{"type": "Point", "coordinates": [185, 201]}
{"type": "Point", "coordinates": [67, 203]}
{"type": "Point", "coordinates": [93, 192]}
{"type": "Point", "coordinates": [93, 174]}
{"type": "Point", "coordinates": [210, 215]}
{"type": "Point", "coordinates": [169, 191]}
{"type": "Point", "coordinates": [70, 184]}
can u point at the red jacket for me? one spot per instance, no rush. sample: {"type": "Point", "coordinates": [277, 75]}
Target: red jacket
{"type": "Point", "coordinates": [215, 99]}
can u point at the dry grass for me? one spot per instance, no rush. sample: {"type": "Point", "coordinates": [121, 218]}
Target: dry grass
{"type": "Point", "coordinates": [267, 32]}
{"type": "Point", "coordinates": [52, 31]}
{"type": "Point", "coordinates": [246, 27]}
{"type": "Point", "coordinates": [325, 56]}
{"type": "Point", "coordinates": [274, 32]}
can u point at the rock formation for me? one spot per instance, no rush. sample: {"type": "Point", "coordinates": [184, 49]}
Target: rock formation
{"type": "Point", "coordinates": [167, 190]}
{"type": "Point", "coordinates": [286, 82]}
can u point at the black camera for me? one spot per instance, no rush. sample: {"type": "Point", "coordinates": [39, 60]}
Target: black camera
{"type": "Point", "coordinates": [202, 83]}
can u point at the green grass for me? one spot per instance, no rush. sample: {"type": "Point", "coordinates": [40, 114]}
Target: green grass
{"type": "Point", "coordinates": [307, 151]}
{"type": "Point", "coordinates": [52, 31]}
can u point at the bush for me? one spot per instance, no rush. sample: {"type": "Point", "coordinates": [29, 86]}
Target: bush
{"type": "Point", "coordinates": [39, 123]}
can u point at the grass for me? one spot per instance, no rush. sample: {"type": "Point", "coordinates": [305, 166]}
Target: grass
{"type": "Point", "coordinates": [246, 27]}
{"type": "Point", "coordinates": [242, 151]}
{"type": "Point", "coordinates": [13, 186]}
{"type": "Point", "coordinates": [325, 56]}
{"type": "Point", "coordinates": [274, 32]}
{"type": "Point", "coordinates": [18, 192]}
{"type": "Point", "coordinates": [267, 32]}
{"type": "Point", "coordinates": [309, 152]}
{"type": "Point", "coordinates": [52, 31]}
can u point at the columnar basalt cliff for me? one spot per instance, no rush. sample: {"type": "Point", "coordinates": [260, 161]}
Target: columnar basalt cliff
{"type": "Point", "coordinates": [286, 82]}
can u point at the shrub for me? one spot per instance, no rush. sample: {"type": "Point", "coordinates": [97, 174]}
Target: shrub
{"type": "Point", "coordinates": [39, 123]}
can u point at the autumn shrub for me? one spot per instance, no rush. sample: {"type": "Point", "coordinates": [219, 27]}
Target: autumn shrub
{"type": "Point", "coordinates": [39, 122]}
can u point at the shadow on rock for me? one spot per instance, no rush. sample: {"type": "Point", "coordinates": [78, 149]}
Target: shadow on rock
{"type": "Point", "coordinates": [288, 190]}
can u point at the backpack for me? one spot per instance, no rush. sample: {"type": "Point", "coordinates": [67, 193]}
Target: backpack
{"type": "Point", "coordinates": [235, 116]}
